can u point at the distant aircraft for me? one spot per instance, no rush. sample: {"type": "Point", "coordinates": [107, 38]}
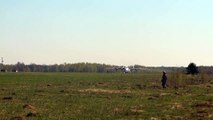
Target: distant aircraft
{"type": "Point", "coordinates": [123, 69]}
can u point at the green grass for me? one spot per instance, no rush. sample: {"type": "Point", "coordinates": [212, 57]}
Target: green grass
{"type": "Point", "coordinates": [68, 96]}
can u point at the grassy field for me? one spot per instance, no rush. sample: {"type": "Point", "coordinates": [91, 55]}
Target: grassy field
{"type": "Point", "coordinates": [65, 96]}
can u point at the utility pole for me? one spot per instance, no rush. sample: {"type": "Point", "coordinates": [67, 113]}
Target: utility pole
{"type": "Point", "coordinates": [2, 62]}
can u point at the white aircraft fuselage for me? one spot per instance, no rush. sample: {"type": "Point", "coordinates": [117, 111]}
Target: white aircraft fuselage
{"type": "Point", "coordinates": [126, 69]}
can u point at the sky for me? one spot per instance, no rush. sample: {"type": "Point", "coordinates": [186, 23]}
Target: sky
{"type": "Point", "coordinates": [118, 32]}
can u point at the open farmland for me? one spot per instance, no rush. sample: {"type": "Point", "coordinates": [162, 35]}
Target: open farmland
{"type": "Point", "coordinates": [64, 96]}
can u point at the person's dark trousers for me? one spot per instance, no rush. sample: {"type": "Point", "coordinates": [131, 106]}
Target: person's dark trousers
{"type": "Point", "coordinates": [164, 84]}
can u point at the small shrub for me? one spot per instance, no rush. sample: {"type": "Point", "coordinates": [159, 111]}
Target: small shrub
{"type": "Point", "coordinates": [192, 69]}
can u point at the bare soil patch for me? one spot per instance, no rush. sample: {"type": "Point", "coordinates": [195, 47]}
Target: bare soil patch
{"type": "Point", "coordinates": [32, 110]}
{"type": "Point", "coordinates": [18, 118]}
{"type": "Point", "coordinates": [29, 106]}
{"type": "Point", "coordinates": [208, 104]}
{"type": "Point", "coordinates": [203, 110]}
{"type": "Point", "coordinates": [7, 98]}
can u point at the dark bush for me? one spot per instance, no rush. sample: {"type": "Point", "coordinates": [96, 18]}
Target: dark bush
{"type": "Point", "coordinates": [192, 69]}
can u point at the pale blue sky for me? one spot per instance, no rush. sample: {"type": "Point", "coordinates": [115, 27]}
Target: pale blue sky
{"type": "Point", "coordinates": [121, 32]}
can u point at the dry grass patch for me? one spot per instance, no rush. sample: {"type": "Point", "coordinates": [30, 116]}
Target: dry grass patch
{"type": "Point", "coordinates": [135, 110]}
{"type": "Point", "coordinates": [153, 118]}
{"type": "Point", "coordinates": [105, 91]}
{"type": "Point", "coordinates": [176, 106]}
{"type": "Point", "coordinates": [169, 117]}
{"type": "Point", "coordinates": [207, 85]}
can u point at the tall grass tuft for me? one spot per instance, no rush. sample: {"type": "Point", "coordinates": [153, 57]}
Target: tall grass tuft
{"type": "Point", "coordinates": [176, 79]}
{"type": "Point", "coordinates": [180, 79]}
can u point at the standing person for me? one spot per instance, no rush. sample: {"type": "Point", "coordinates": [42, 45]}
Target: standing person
{"type": "Point", "coordinates": [164, 78]}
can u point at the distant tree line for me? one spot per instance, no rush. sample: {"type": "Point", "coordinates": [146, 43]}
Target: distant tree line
{"type": "Point", "coordinates": [76, 67]}
{"type": "Point", "coordinates": [96, 67]}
